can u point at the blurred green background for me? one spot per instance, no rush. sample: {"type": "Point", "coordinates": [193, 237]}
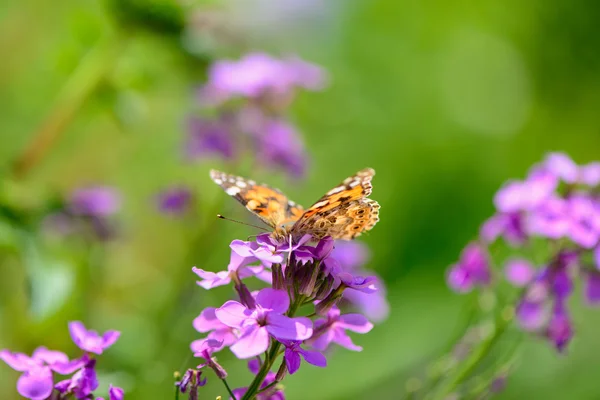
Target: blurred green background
{"type": "Point", "coordinates": [446, 100]}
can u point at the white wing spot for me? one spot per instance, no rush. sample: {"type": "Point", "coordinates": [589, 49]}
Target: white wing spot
{"type": "Point", "coordinates": [321, 203]}
{"type": "Point", "coordinates": [336, 190]}
{"type": "Point", "coordinates": [241, 184]}
{"type": "Point", "coordinates": [354, 184]}
{"type": "Point", "coordinates": [233, 190]}
{"type": "Point", "coordinates": [218, 181]}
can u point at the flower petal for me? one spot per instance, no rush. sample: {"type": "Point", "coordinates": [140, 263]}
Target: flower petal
{"type": "Point", "coordinates": [271, 299]}
{"type": "Point", "coordinates": [282, 327]}
{"type": "Point", "coordinates": [36, 384]}
{"type": "Point", "coordinates": [115, 393]}
{"type": "Point", "coordinates": [17, 361]}
{"type": "Point", "coordinates": [232, 313]}
{"type": "Point", "coordinates": [254, 341]}
{"type": "Point", "coordinates": [314, 357]}
{"type": "Point", "coordinates": [68, 367]}
{"type": "Point", "coordinates": [341, 338]}
{"type": "Point", "coordinates": [78, 333]}
{"type": "Point", "coordinates": [292, 360]}
{"type": "Point", "coordinates": [207, 321]}
{"type": "Point", "coordinates": [355, 323]}
{"type": "Point", "coordinates": [110, 337]}
{"type": "Point", "coordinates": [49, 356]}
{"type": "Point", "coordinates": [212, 279]}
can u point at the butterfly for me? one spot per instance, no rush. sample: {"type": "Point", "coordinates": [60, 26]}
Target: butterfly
{"type": "Point", "coordinates": [344, 212]}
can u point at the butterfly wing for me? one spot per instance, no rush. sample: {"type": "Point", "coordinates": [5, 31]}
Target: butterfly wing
{"type": "Point", "coordinates": [344, 212]}
{"type": "Point", "coordinates": [269, 204]}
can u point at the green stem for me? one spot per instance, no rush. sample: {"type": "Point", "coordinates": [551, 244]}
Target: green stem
{"type": "Point", "coordinates": [270, 358]}
{"type": "Point", "coordinates": [78, 88]}
{"type": "Point", "coordinates": [228, 388]}
{"type": "Point", "coordinates": [471, 363]}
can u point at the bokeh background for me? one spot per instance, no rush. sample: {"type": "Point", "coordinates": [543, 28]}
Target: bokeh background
{"type": "Point", "coordinates": [445, 100]}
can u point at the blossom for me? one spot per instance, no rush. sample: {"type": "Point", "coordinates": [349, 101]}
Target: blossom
{"type": "Point", "coordinates": [472, 269]}
{"type": "Point", "coordinates": [82, 383]}
{"type": "Point", "coordinates": [592, 287]}
{"type": "Point", "coordinates": [333, 330]}
{"type": "Point", "coordinates": [37, 382]}
{"type": "Point", "coordinates": [98, 201]}
{"type": "Point", "coordinates": [205, 348]}
{"type": "Point", "coordinates": [207, 321]}
{"type": "Point", "coordinates": [242, 254]}
{"type": "Point", "coordinates": [519, 272]}
{"type": "Point", "coordinates": [266, 319]}
{"type": "Point", "coordinates": [510, 225]}
{"type": "Point", "coordinates": [280, 146]}
{"type": "Point", "coordinates": [294, 353]}
{"type": "Point", "coordinates": [258, 74]}
{"type": "Point", "coordinates": [114, 393]}
{"type": "Point", "coordinates": [89, 340]}
{"type": "Point", "coordinates": [560, 330]}
{"type": "Point", "coordinates": [174, 200]}
{"type": "Point", "coordinates": [208, 137]}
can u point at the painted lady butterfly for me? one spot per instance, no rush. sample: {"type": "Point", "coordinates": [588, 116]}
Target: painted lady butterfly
{"type": "Point", "coordinates": [342, 213]}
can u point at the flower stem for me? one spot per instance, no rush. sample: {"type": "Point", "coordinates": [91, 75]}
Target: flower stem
{"type": "Point", "coordinates": [270, 358]}
{"type": "Point", "coordinates": [228, 389]}
{"type": "Point", "coordinates": [78, 88]}
{"type": "Point", "coordinates": [471, 363]}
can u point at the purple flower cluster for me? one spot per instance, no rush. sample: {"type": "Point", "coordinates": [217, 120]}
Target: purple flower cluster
{"type": "Point", "coordinates": [558, 205]}
{"type": "Point", "coordinates": [243, 107]}
{"type": "Point", "coordinates": [87, 210]}
{"type": "Point", "coordinates": [263, 324]}
{"type": "Point", "coordinates": [37, 381]}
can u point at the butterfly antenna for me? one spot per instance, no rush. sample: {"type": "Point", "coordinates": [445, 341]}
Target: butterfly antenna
{"type": "Point", "coordinates": [242, 223]}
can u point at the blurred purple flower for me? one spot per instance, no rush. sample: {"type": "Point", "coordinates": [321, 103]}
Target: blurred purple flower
{"type": "Point", "coordinates": [294, 353]}
{"type": "Point", "coordinates": [266, 319]}
{"type": "Point", "coordinates": [82, 383]}
{"type": "Point", "coordinates": [472, 269]}
{"type": "Point", "coordinates": [98, 201]}
{"type": "Point", "coordinates": [562, 166]}
{"type": "Point", "coordinates": [175, 200]}
{"type": "Point", "coordinates": [275, 393]}
{"type": "Point", "coordinates": [280, 146]}
{"type": "Point", "coordinates": [584, 224]}
{"type": "Point", "coordinates": [333, 330]}
{"type": "Point", "coordinates": [256, 75]}
{"type": "Point", "coordinates": [89, 340]}
{"type": "Point", "coordinates": [590, 174]}
{"type": "Point", "coordinates": [560, 329]}
{"type": "Point", "coordinates": [114, 393]}
{"type": "Point", "coordinates": [37, 382]}
{"type": "Point", "coordinates": [510, 226]}
{"type": "Point", "coordinates": [592, 287]}
{"type": "Point", "coordinates": [519, 272]}
{"type": "Point", "coordinates": [210, 137]}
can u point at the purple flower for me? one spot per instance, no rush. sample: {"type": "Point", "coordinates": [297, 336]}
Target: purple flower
{"type": "Point", "coordinates": [114, 393]}
{"type": "Point", "coordinates": [280, 146]}
{"type": "Point", "coordinates": [294, 353]}
{"type": "Point", "coordinates": [562, 166]}
{"type": "Point", "coordinates": [266, 319]}
{"type": "Point", "coordinates": [89, 340]}
{"type": "Point", "coordinates": [550, 219]}
{"type": "Point", "coordinates": [560, 330]}
{"type": "Point", "coordinates": [519, 196]}
{"type": "Point", "coordinates": [175, 200]}
{"type": "Point", "coordinates": [205, 348]}
{"type": "Point", "coordinates": [333, 330]}
{"type": "Point", "coordinates": [472, 269]}
{"type": "Point", "coordinates": [192, 380]}
{"type": "Point", "coordinates": [82, 383]}
{"type": "Point", "coordinates": [98, 201]}
{"type": "Point", "coordinates": [210, 137]}
{"type": "Point", "coordinates": [36, 382]}
{"type": "Point", "coordinates": [519, 272]}
{"type": "Point", "coordinates": [507, 225]}
{"type": "Point", "coordinates": [351, 255]}
{"type": "Point", "coordinates": [256, 75]}
{"type": "Point", "coordinates": [584, 226]}
{"type": "Point", "coordinates": [592, 287]}
{"type": "Point", "coordinates": [207, 321]}
{"type": "Point", "coordinates": [590, 174]}
{"type": "Point", "coordinates": [242, 254]}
